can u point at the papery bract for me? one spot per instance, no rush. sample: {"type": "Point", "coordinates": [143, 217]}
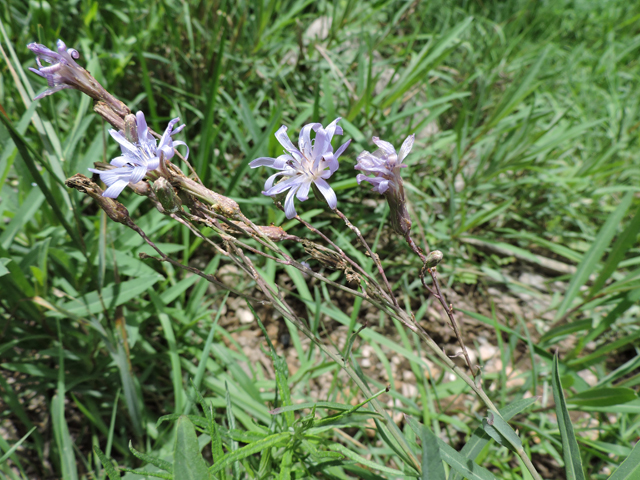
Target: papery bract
{"type": "Point", "coordinates": [311, 163]}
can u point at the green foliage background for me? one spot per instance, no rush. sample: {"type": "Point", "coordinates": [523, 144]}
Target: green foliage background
{"type": "Point", "coordinates": [527, 123]}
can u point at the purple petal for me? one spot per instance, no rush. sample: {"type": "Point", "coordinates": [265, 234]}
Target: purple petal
{"type": "Point", "coordinates": [180, 142]}
{"type": "Point", "coordinates": [109, 177]}
{"type": "Point", "coordinates": [281, 136]}
{"type": "Point", "coordinates": [126, 145]}
{"type": "Point", "coordinates": [285, 185]}
{"type": "Point", "coordinates": [269, 183]}
{"type": "Point", "coordinates": [120, 161]}
{"type": "Point", "coordinates": [137, 174]}
{"type": "Point", "coordinates": [333, 129]}
{"type": "Point", "coordinates": [143, 129]}
{"type": "Point", "coordinates": [289, 208]}
{"type": "Point", "coordinates": [304, 142]}
{"type": "Point", "coordinates": [303, 191]}
{"type": "Point", "coordinates": [279, 163]}
{"type": "Point", "coordinates": [116, 189]}
{"type": "Point", "coordinates": [406, 147]}
{"type": "Point", "coordinates": [321, 145]}
{"type": "Point", "coordinates": [341, 149]}
{"type": "Point", "coordinates": [384, 146]}
{"type": "Point", "coordinates": [327, 192]}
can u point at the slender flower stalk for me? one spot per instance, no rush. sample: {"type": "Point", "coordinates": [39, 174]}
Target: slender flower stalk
{"type": "Point", "coordinates": [63, 72]}
{"type": "Point", "coordinates": [385, 164]}
{"type": "Point", "coordinates": [310, 164]}
{"type": "Point", "coordinates": [140, 153]}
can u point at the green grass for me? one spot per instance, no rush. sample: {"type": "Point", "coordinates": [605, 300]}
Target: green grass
{"type": "Point", "coordinates": [526, 121]}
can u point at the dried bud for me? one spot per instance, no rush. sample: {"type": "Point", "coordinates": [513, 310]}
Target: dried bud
{"type": "Point", "coordinates": [433, 259]}
{"type": "Point", "coordinates": [114, 209]}
{"type": "Point", "coordinates": [63, 72]}
{"type": "Point", "coordinates": [166, 195]}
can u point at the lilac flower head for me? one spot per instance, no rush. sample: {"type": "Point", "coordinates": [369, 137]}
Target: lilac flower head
{"type": "Point", "coordinates": [385, 164]}
{"type": "Point", "coordinates": [140, 153]}
{"type": "Point", "coordinates": [63, 72]}
{"type": "Point", "coordinates": [311, 163]}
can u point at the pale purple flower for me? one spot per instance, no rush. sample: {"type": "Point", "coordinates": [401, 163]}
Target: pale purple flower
{"type": "Point", "coordinates": [63, 72]}
{"type": "Point", "coordinates": [60, 74]}
{"type": "Point", "coordinates": [311, 163]}
{"type": "Point", "coordinates": [385, 164]}
{"type": "Point", "coordinates": [138, 157]}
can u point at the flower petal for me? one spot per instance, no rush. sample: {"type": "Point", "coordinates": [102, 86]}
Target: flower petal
{"type": "Point", "coordinates": [304, 142]}
{"type": "Point", "coordinates": [285, 185]}
{"type": "Point", "coordinates": [269, 183]}
{"type": "Point", "coordinates": [116, 189]}
{"type": "Point", "coordinates": [333, 129]}
{"type": "Point", "coordinates": [341, 149]}
{"type": "Point", "coordinates": [327, 192]}
{"type": "Point", "coordinates": [303, 191]}
{"type": "Point", "coordinates": [406, 147]}
{"type": "Point", "coordinates": [283, 138]}
{"type": "Point", "coordinates": [384, 146]}
{"type": "Point", "coordinates": [180, 142]}
{"type": "Point", "coordinates": [126, 145]}
{"type": "Point", "coordinates": [143, 129]}
{"type": "Point", "coordinates": [109, 177]}
{"type": "Point", "coordinates": [137, 174]}
{"type": "Point", "coordinates": [120, 161]}
{"type": "Point", "coordinates": [289, 207]}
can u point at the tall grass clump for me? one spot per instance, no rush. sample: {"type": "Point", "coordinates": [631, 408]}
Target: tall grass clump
{"type": "Point", "coordinates": [464, 305]}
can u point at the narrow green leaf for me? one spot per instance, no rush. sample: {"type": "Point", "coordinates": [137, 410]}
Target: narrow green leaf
{"type": "Point", "coordinates": [465, 467]}
{"type": "Point", "coordinates": [618, 251]}
{"type": "Point", "coordinates": [109, 469]}
{"type": "Point", "coordinates": [479, 439]}
{"type": "Point", "coordinates": [570, 449]}
{"type": "Point", "coordinates": [593, 256]}
{"type": "Point", "coordinates": [603, 397]}
{"type": "Point", "coordinates": [630, 468]}
{"type": "Point", "coordinates": [37, 177]}
{"type": "Point", "coordinates": [432, 468]}
{"type": "Point", "coordinates": [188, 463]}
{"type": "Point", "coordinates": [156, 462]}
{"type": "Point", "coordinates": [276, 440]}
{"type": "Point", "coordinates": [15, 446]}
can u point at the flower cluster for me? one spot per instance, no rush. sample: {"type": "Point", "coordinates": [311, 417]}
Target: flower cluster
{"type": "Point", "coordinates": [308, 166]}
{"type": "Point", "coordinates": [140, 154]}
{"type": "Point", "coordinates": [312, 163]}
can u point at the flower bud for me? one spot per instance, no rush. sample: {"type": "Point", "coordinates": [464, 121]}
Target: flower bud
{"type": "Point", "coordinates": [433, 259]}
{"type": "Point", "coordinates": [166, 195]}
{"type": "Point", "coordinates": [131, 129]}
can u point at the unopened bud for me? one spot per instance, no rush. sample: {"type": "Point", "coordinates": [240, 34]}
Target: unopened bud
{"type": "Point", "coordinates": [433, 259]}
{"type": "Point", "coordinates": [131, 128]}
{"type": "Point", "coordinates": [114, 209]}
{"type": "Point", "coordinates": [166, 195]}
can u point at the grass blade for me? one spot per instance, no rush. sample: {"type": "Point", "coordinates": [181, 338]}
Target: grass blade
{"type": "Point", "coordinates": [593, 256]}
{"type": "Point", "coordinates": [630, 468]}
{"type": "Point", "coordinates": [570, 449]}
